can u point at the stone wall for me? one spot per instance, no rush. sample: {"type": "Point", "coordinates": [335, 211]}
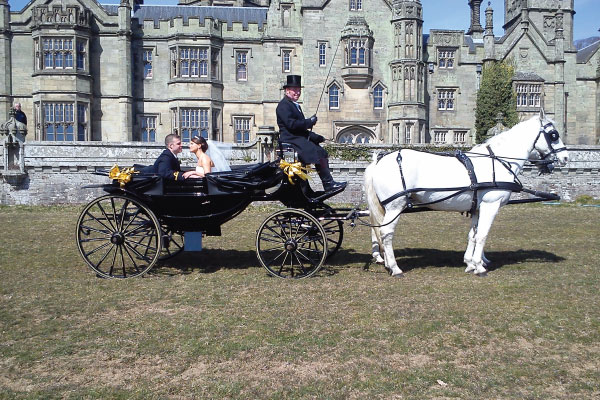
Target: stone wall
{"type": "Point", "coordinates": [57, 173]}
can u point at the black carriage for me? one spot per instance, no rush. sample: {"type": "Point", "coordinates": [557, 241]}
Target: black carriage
{"type": "Point", "coordinates": [143, 217]}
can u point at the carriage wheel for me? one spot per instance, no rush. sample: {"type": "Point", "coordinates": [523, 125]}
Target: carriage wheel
{"type": "Point", "coordinates": [291, 244]}
{"type": "Point", "coordinates": [333, 228]}
{"type": "Point", "coordinates": [118, 237]}
{"type": "Point", "coordinates": [172, 243]}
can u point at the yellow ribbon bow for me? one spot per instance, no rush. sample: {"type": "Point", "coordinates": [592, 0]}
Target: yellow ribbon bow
{"type": "Point", "coordinates": [124, 176]}
{"type": "Point", "coordinates": [294, 169]}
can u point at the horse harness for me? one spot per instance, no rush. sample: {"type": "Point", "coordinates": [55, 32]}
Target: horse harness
{"type": "Point", "coordinates": [550, 134]}
{"type": "Point", "coordinates": [475, 186]}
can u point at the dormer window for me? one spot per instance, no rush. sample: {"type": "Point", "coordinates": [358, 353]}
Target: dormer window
{"type": "Point", "coordinates": [355, 5]}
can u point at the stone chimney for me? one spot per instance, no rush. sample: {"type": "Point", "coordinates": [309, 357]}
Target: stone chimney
{"type": "Point", "coordinates": [475, 30]}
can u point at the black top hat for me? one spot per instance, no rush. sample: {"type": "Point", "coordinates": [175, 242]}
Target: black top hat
{"type": "Point", "coordinates": [293, 81]}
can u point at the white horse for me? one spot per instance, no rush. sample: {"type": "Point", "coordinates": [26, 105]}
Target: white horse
{"type": "Point", "coordinates": [442, 182]}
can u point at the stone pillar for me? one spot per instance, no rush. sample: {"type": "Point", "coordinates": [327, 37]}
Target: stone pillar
{"type": "Point", "coordinates": [475, 29]}
{"type": "Point", "coordinates": [5, 60]}
{"type": "Point", "coordinates": [126, 68]}
{"type": "Point", "coordinates": [560, 96]}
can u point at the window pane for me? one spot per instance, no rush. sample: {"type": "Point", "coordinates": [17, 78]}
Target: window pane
{"type": "Point", "coordinates": [322, 50]}
{"type": "Point", "coordinates": [334, 97]}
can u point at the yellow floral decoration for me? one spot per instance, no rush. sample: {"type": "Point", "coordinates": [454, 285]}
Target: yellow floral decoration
{"type": "Point", "coordinates": [124, 176]}
{"type": "Point", "coordinates": [295, 169]}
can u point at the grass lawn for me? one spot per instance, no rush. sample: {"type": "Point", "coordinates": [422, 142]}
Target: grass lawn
{"type": "Point", "coordinates": [215, 325]}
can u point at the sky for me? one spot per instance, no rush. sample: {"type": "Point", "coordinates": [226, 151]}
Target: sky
{"type": "Point", "coordinates": [449, 14]}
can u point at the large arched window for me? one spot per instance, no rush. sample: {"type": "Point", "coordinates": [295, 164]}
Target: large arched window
{"type": "Point", "coordinates": [354, 135]}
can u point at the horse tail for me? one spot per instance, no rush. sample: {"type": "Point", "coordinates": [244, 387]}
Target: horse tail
{"type": "Point", "coordinates": [376, 210]}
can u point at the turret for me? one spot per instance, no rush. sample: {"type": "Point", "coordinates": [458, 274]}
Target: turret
{"type": "Point", "coordinates": [488, 35]}
{"type": "Point", "coordinates": [407, 113]}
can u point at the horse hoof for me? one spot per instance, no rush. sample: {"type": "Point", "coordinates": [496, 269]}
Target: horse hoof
{"type": "Point", "coordinates": [483, 274]}
{"type": "Point", "coordinates": [398, 275]}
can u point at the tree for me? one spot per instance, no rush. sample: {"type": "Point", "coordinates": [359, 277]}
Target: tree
{"type": "Point", "coordinates": [495, 95]}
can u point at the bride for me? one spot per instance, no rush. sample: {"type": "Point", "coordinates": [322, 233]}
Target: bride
{"type": "Point", "coordinates": [205, 154]}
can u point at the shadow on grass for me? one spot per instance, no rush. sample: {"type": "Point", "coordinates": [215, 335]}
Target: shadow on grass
{"type": "Point", "coordinates": [414, 258]}
{"type": "Point", "coordinates": [206, 261]}
{"type": "Point", "coordinates": [212, 260]}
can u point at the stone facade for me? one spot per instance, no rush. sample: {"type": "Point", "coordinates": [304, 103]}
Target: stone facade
{"type": "Point", "coordinates": [90, 72]}
{"type": "Point", "coordinates": [104, 84]}
{"type": "Point", "coordinates": [58, 174]}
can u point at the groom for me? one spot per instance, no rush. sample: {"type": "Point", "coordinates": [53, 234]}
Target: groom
{"type": "Point", "coordinates": [167, 164]}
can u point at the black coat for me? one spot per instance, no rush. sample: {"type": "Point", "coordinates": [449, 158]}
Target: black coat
{"type": "Point", "coordinates": [167, 166]}
{"type": "Point", "coordinates": [20, 116]}
{"type": "Point", "coordinates": [295, 130]}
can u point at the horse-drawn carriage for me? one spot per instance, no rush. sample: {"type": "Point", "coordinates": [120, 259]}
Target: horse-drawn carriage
{"type": "Point", "coordinates": [143, 217]}
{"type": "Point", "coordinates": [141, 221]}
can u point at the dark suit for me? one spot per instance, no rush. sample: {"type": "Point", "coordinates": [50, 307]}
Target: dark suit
{"type": "Point", "coordinates": [167, 166]}
{"type": "Point", "coordinates": [20, 116]}
{"type": "Point", "coordinates": [295, 129]}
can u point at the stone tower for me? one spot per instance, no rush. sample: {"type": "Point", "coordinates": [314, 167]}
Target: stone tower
{"type": "Point", "coordinates": [407, 111]}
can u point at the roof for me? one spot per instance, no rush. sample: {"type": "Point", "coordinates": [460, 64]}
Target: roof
{"type": "Point", "coordinates": [245, 15]}
{"type": "Point", "coordinates": [587, 52]}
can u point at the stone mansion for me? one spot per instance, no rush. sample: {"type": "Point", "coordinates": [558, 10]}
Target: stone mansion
{"type": "Point", "coordinates": [84, 71]}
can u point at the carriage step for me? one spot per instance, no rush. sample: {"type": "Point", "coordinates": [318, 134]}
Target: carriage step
{"type": "Point", "coordinates": [192, 241]}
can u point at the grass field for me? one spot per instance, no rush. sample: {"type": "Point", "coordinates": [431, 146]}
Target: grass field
{"type": "Point", "coordinates": [213, 325]}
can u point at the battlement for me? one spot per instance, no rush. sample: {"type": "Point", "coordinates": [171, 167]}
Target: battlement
{"type": "Point", "coordinates": [177, 19]}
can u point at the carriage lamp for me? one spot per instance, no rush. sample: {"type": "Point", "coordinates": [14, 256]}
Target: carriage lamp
{"type": "Point", "coordinates": [430, 67]}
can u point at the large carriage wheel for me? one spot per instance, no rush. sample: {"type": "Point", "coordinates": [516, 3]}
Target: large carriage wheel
{"type": "Point", "coordinates": [333, 228]}
{"type": "Point", "coordinates": [118, 237]}
{"type": "Point", "coordinates": [172, 242]}
{"type": "Point", "coordinates": [291, 244]}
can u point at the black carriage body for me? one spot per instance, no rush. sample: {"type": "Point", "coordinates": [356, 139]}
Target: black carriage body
{"type": "Point", "coordinates": [206, 204]}
{"type": "Point", "coordinates": [142, 221]}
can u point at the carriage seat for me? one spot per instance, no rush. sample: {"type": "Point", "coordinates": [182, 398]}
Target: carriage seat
{"type": "Point", "coordinates": [288, 152]}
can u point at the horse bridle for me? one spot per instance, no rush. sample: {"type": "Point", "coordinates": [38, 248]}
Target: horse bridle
{"type": "Point", "coordinates": [551, 135]}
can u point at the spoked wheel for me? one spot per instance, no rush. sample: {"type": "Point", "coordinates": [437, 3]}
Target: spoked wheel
{"type": "Point", "coordinates": [118, 237]}
{"type": "Point", "coordinates": [291, 244]}
{"type": "Point", "coordinates": [333, 228]}
{"type": "Point", "coordinates": [172, 242]}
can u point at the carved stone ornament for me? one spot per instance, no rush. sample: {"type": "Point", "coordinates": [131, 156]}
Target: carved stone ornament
{"type": "Point", "coordinates": [12, 137]}
{"type": "Point", "coordinates": [446, 39]}
{"type": "Point", "coordinates": [70, 15]}
{"type": "Point", "coordinates": [357, 26]}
